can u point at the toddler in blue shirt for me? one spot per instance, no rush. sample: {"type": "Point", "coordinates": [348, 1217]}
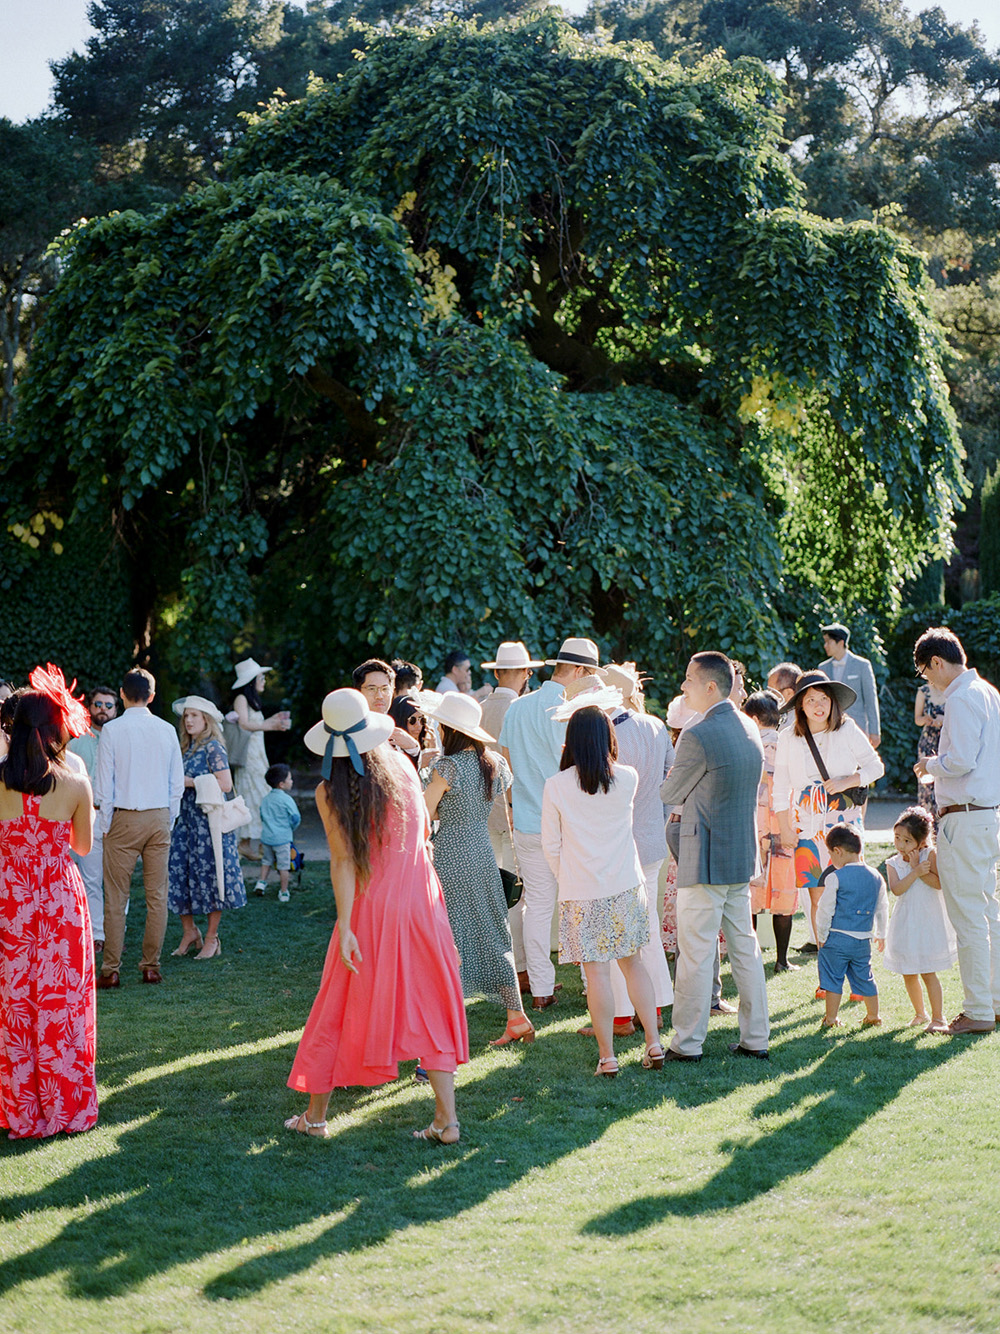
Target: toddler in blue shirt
{"type": "Point", "coordinates": [853, 911]}
{"type": "Point", "coordinates": [279, 817]}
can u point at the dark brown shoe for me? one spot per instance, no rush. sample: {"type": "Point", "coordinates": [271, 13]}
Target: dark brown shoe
{"type": "Point", "coordinates": [152, 975]}
{"type": "Point", "coordinates": [543, 1002]}
{"type": "Point", "coordinates": [738, 1049]}
{"type": "Point", "coordinates": [671, 1055]}
{"type": "Point", "coordinates": [524, 984]}
{"type": "Point", "coordinates": [108, 980]}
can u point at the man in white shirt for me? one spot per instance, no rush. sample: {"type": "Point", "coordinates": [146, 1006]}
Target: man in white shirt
{"type": "Point", "coordinates": [458, 676]}
{"type": "Point", "coordinates": [966, 777]}
{"type": "Point", "coordinates": [513, 669]}
{"type": "Point", "coordinates": [103, 705]}
{"type": "Point", "coordinates": [783, 680]}
{"type": "Point", "coordinates": [138, 790]}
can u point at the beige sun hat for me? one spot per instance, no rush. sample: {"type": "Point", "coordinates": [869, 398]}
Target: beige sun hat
{"type": "Point", "coordinates": [461, 713]}
{"type": "Point", "coordinates": [511, 657]}
{"type": "Point", "coordinates": [247, 671]}
{"type": "Point", "coordinates": [680, 712]}
{"type": "Point", "coordinates": [576, 653]}
{"type": "Point", "coordinates": [347, 729]}
{"type": "Point", "coordinates": [197, 702]}
{"type": "Point", "coordinates": [626, 677]}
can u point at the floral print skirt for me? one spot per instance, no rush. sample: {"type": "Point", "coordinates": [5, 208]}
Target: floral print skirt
{"type": "Point", "coordinates": [598, 930]}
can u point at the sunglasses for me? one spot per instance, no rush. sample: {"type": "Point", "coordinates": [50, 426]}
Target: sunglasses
{"type": "Point", "coordinates": [105, 708]}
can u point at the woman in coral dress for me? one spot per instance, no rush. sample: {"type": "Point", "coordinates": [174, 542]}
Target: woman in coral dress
{"type": "Point", "coordinates": [391, 989]}
{"type": "Point", "coordinates": [47, 997]}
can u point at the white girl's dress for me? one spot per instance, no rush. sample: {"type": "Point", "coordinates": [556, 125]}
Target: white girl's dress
{"type": "Point", "coordinates": [920, 938]}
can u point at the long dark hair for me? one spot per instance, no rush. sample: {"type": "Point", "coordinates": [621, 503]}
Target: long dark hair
{"type": "Point", "coordinates": [402, 709]}
{"type": "Point", "coordinates": [361, 803]}
{"type": "Point", "coordinates": [591, 747]}
{"type": "Point", "coordinates": [251, 695]}
{"type": "Point", "coordinates": [452, 742]}
{"type": "Point", "coordinates": [38, 739]}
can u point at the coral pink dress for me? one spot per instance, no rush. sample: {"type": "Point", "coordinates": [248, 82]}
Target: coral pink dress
{"type": "Point", "coordinates": [47, 998]}
{"type": "Point", "coordinates": [405, 1001]}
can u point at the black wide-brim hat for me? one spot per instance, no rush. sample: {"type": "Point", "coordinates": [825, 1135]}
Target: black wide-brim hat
{"type": "Point", "coordinates": [844, 695]}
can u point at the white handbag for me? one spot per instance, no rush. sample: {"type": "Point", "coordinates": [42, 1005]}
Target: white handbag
{"type": "Point", "coordinates": [235, 814]}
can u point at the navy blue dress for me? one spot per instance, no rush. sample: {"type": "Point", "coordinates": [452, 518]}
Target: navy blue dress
{"type": "Point", "coordinates": [194, 886]}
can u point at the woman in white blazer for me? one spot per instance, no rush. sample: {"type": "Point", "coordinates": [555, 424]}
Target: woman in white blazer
{"type": "Point", "coordinates": [806, 803]}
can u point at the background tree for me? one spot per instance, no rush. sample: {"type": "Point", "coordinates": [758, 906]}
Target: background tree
{"type": "Point", "coordinates": [494, 335]}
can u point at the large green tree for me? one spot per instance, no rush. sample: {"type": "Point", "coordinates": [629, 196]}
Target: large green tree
{"type": "Point", "coordinates": [506, 333]}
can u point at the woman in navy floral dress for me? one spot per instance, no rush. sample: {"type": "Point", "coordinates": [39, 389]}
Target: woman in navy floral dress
{"type": "Point", "coordinates": [194, 885]}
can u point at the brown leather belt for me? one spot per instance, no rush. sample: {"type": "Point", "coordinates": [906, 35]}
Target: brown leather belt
{"type": "Point", "coordinates": [966, 806]}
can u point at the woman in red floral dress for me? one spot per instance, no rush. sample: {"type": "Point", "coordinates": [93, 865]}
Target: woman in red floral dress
{"type": "Point", "coordinates": [47, 999]}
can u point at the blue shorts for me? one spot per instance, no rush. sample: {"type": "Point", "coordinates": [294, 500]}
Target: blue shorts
{"type": "Point", "coordinates": [841, 956]}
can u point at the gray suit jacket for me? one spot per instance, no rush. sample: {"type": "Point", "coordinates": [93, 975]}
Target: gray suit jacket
{"type": "Point", "coordinates": [715, 777]}
{"type": "Point", "coordinates": [858, 674]}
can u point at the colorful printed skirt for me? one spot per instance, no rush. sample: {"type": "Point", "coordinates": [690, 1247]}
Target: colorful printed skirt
{"type": "Point", "coordinates": [598, 930]}
{"type": "Point", "coordinates": [816, 812]}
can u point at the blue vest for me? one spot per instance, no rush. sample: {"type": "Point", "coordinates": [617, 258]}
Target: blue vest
{"type": "Point", "coordinates": [857, 898]}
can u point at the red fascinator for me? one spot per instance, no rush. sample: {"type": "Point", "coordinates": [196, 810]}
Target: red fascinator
{"type": "Point", "coordinates": [49, 680]}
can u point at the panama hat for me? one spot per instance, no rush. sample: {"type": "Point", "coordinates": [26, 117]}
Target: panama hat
{"type": "Point", "coordinates": [576, 653]}
{"type": "Point", "coordinates": [247, 671]}
{"type": "Point", "coordinates": [842, 693]}
{"type": "Point", "coordinates": [511, 656]}
{"type": "Point", "coordinates": [197, 702]}
{"type": "Point", "coordinates": [347, 729]}
{"type": "Point", "coordinates": [461, 713]}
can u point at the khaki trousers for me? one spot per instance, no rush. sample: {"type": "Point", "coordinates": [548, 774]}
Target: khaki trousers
{"type": "Point", "coordinates": [701, 910]}
{"type": "Point", "coordinates": [968, 849]}
{"type": "Point", "coordinates": [135, 834]}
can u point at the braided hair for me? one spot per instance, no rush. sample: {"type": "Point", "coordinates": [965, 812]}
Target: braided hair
{"type": "Point", "coordinates": [362, 803]}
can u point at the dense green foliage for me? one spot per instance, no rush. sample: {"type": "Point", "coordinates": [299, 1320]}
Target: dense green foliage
{"type": "Point", "coordinates": [494, 337]}
{"type": "Point", "coordinates": [989, 541]}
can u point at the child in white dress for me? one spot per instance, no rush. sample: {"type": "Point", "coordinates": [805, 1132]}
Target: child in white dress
{"type": "Point", "coordinates": [920, 941]}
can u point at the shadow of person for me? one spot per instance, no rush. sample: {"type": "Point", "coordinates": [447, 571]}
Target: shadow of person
{"type": "Point", "coordinates": [853, 1080]}
{"type": "Point", "coordinates": [186, 1180]}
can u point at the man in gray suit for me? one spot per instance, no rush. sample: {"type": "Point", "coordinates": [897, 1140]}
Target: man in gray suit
{"type": "Point", "coordinates": [715, 778]}
{"type": "Point", "coordinates": [843, 665]}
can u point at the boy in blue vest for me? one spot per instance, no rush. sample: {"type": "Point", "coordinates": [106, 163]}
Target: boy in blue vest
{"type": "Point", "coordinates": [853, 911]}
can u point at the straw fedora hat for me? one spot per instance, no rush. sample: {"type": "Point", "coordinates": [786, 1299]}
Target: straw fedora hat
{"type": "Point", "coordinates": [842, 693]}
{"type": "Point", "coordinates": [347, 729]}
{"type": "Point", "coordinates": [461, 713]}
{"type": "Point", "coordinates": [511, 657]}
{"type": "Point", "coordinates": [576, 653]}
{"type": "Point", "coordinates": [197, 702]}
{"type": "Point", "coordinates": [248, 670]}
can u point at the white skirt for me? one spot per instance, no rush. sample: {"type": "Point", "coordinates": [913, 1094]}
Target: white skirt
{"type": "Point", "coordinates": [920, 938]}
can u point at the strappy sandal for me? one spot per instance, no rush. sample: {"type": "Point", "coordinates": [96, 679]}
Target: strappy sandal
{"type": "Point", "coordinates": [437, 1135]}
{"type": "Point", "coordinates": [871, 1023]}
{"type": "Point", "coordinates": [653, 1058]}
{"type": "Point", "coordinates": [303, 1126]}
{"type": "Point", "coordinates": [830, 1023]}
{"type": "Point", "coordinates": [515, 1033]}
{"type": "Point", "coordinates": [607, 1066]}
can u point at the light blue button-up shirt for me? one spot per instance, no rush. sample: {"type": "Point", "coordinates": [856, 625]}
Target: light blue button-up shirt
{"type": "Point", "coordinates": [966, 768]}
{"type": "Point", "coordinates": [534, 743]}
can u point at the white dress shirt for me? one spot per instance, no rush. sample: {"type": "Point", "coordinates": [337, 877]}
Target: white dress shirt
{"type": "Point", "coordinates": [587, 837]}
{"type": "Point", "coordinates": [966, 768]}
{"type": "Point", "coordinates": [139, 766]}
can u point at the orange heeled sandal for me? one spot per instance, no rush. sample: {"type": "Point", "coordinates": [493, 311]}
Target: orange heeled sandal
{"type": "Point", "coordinates": [515, 1033]}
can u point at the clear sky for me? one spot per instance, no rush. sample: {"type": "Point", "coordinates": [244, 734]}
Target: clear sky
{"type": "Point", "coordinates": [33, 32]}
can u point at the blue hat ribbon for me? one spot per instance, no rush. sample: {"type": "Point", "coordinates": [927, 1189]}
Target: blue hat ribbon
{"type": "Point", "coordinates": [352, 749]}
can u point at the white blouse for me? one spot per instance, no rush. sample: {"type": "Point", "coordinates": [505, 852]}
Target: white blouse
{"type": "Point", "coordinates": [844, 752]}
{"type": "Point", "coordinates": [587, 839]}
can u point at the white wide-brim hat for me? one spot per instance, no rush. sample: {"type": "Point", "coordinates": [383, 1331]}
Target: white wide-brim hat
{"type": "Point", "coordinates": [197, 702]}
{"type": "Point", "coordinates": [512, 655]}
{"type": "Point", "coordinates": [462, 714]}
{"type": "Point", "coordinates": [576, 653]}
{"type": "Point", "coordinates": [680, 712]}
{"type": "Point", "coordinates": [348, 725]}
{"type": "Point", "coordinates": [248, 670]}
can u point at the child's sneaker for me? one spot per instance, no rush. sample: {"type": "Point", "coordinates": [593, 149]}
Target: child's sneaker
{"type": "Point", "coordinates": [259, 888]}
{"type": "Point", "coordinates": [283, 896]}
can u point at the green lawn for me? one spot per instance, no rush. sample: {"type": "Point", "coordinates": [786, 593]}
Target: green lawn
{"type": "Point", "coordinates": [849, 1184]}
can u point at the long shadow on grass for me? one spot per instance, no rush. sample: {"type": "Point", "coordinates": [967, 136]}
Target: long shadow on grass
{"type": "Point", "coordinates": [200, 1170]}
{"type": "Point", "coordinates": [855, 1079]}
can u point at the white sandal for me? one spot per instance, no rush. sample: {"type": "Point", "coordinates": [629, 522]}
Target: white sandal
{"type": "Point", "coordinates": [303, 1126]}
{"type": "Point", "coordinates": [436, 1134]}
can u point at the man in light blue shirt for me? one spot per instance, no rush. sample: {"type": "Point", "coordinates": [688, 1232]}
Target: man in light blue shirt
{"type": "Point", "coordinates": [138, 789]}
{"type": "Point", "coordinates": [532, 745]}
{"type": "Point", "coordinates": [966, 777]}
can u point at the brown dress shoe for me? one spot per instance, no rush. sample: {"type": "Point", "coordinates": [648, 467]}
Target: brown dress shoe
{"type": "Point", "coordinates": [963, 1024]}
{"type": "Point", "coordinates": [543, 1002]}
{"type": "Point", "coordinates": [524, 984]}
{"type": "Point", "coordinates": [152, 975]}
{"type": "Point", "coordinates": [108, 980]}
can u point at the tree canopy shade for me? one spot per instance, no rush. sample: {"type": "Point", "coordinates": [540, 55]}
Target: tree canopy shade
{"type": "Point", "coordinates": [497, 336]}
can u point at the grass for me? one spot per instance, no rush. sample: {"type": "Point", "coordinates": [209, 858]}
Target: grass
{"type": "Point", "coordinates": [849, 1183]}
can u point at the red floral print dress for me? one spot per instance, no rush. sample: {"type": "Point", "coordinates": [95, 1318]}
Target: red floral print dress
{"type": "Point", "coordinates": [47, 998]}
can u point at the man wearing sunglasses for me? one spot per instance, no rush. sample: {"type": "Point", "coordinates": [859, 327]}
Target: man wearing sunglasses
{"type": "Point", "coordinates": [103, 705]}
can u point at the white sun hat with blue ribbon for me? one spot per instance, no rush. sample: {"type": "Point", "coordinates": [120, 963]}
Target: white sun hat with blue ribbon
{"type": "Point", "coordinates": [348, 729]}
